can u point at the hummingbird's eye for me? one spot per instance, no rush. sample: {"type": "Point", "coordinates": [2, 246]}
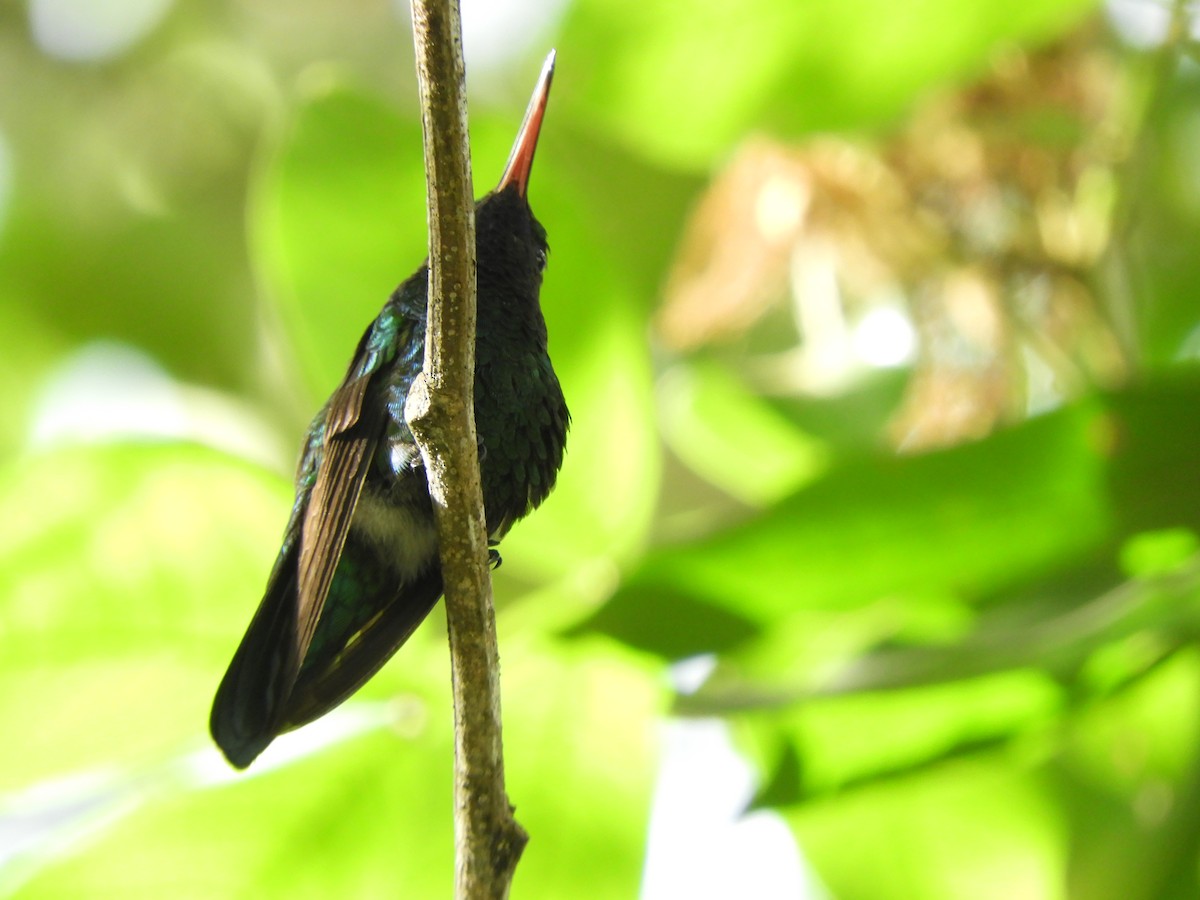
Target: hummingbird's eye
{"type": "Point", "coordinates": [541, 260]}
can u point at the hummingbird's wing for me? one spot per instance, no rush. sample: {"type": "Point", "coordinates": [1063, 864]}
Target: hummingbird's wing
{"type": "Point", "coordinates": [252, 701]}
{"type": "Point", "coordinates": [352, 433]}
{"type": "Point", "coordinates": [401, 598]}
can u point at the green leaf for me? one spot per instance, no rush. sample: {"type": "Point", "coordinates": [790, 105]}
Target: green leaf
{"type": "Point", "coordinates": [1163, 275]}
{"type": "Point", "coordinates": [177, 286]}
{"type": "Point", "coordinates": [733, 437]}
{"type": "Point", "coordinates": [581, 752]}
{"type": "Point", "coordinates": [1126, 779]}
{"type": "Point", "coordinates": [334, 824]}
{"type": "Point", "coordinates": [374, 817]}
{"type": "Point", "coordinates": [126, 575]}
{"type": "Point", "coordinates": [1158, 552]}
{"type": "Point", "coordinates": [838, 738]}
{"type": "Point", "coordinates": [693, 626]}
{"type": "Point", "coordinates": [979, 828]}
{"type": "Point", "coordinates": [126, 578]}
{"type": "Point", "coordinates": [338, 220]}
{"type": "Point", "coordinates": [31, 348]}
{"type": "Point", "coordinates": [955, 522]}
{"type": "Point", "coordinates": [683, 88]}
{"type": "Point", "coordinates": [1153, 438]}
{"type": "Point", "coordinates": [784, 786]}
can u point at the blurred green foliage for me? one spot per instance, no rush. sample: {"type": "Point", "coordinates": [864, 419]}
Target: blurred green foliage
{"type": "Point", "coordinates": [963, 665]}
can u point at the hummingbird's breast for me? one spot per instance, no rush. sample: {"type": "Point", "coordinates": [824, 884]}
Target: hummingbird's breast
{"type": "Point", "coordinates": [394, 515]}
{"type": "Point", "coordinates": [403, 537]}
{"type": "Point", "coordinates": [522, 421]}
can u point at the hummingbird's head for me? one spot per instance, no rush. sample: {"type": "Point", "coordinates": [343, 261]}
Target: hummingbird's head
{"type": "Point", "coordinates": [511, 242]}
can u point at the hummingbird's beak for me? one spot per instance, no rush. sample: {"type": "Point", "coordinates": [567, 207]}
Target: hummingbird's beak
{"type": "Point", "coordinates": [520, 160]}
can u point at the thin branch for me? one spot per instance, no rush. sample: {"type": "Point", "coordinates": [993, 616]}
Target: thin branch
{"type": "Point", "coordinates": [441, 414]}
{"type": "Point", "coordinates": [1059, 645]}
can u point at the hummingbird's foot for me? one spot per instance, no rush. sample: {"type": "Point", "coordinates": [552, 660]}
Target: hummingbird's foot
{"type": "Point", "coordinates": [494, 559]}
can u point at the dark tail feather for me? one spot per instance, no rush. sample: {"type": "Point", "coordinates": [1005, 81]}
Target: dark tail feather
{"type": "Point", "coordinates": [318, 689]}
{"type": "Point", "coordinates": [262, 696]}
{"type": "Point", "coordinates": [249, 708]}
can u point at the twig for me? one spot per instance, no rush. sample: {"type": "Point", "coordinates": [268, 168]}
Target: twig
{"type": "Point", "coordinates": [441, 414]}
{"type": "Point", "coordinates": [1165, 604]}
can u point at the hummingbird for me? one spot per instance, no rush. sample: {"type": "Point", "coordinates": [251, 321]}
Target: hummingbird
{"type": "Point", "coordinates": [358, 569]}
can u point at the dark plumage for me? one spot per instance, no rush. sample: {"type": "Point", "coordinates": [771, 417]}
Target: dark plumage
{"type": "Point", "coordinates": [358, 570]}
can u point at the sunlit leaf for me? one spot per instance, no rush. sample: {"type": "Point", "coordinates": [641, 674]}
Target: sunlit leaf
{"type": "Point", "coordinates": [976, 828]}
{"type": "Point", "coordinates": [962, 520]}
{"type": "Point", "coordinates": [837, 739]}
{"type": "Point", "coordinates": [683, 88]}
{"type": "Point", "coordinates": [1126, 780]}
{"type": "Point", "coordinates": [1158, 552]}
{"type": "Point", "coordinates": [339, 221]}
{"type": "Point", "coordinates": [582, 737]}
{"type": "Point", "coordinates": [123, 566]}
{"type": "Point", "coordinates": [374, 818]}
{"type": "Point", "coordinates": [733, 437]}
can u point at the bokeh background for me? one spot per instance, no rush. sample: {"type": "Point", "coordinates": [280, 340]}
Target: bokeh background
{"type": "Point", "coordinates": [873, 570]}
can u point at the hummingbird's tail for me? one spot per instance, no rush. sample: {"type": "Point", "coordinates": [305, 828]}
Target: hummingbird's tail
{"type": "Point", "coordinates": [266, 691]}
{"type": "Point", "coordinates": [248, 710]}
{"type": "Point", "coordinates": [324, 682]}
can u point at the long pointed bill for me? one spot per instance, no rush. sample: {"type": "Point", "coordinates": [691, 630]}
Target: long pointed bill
{"type": "Point", "coordinates": [520, 160]}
